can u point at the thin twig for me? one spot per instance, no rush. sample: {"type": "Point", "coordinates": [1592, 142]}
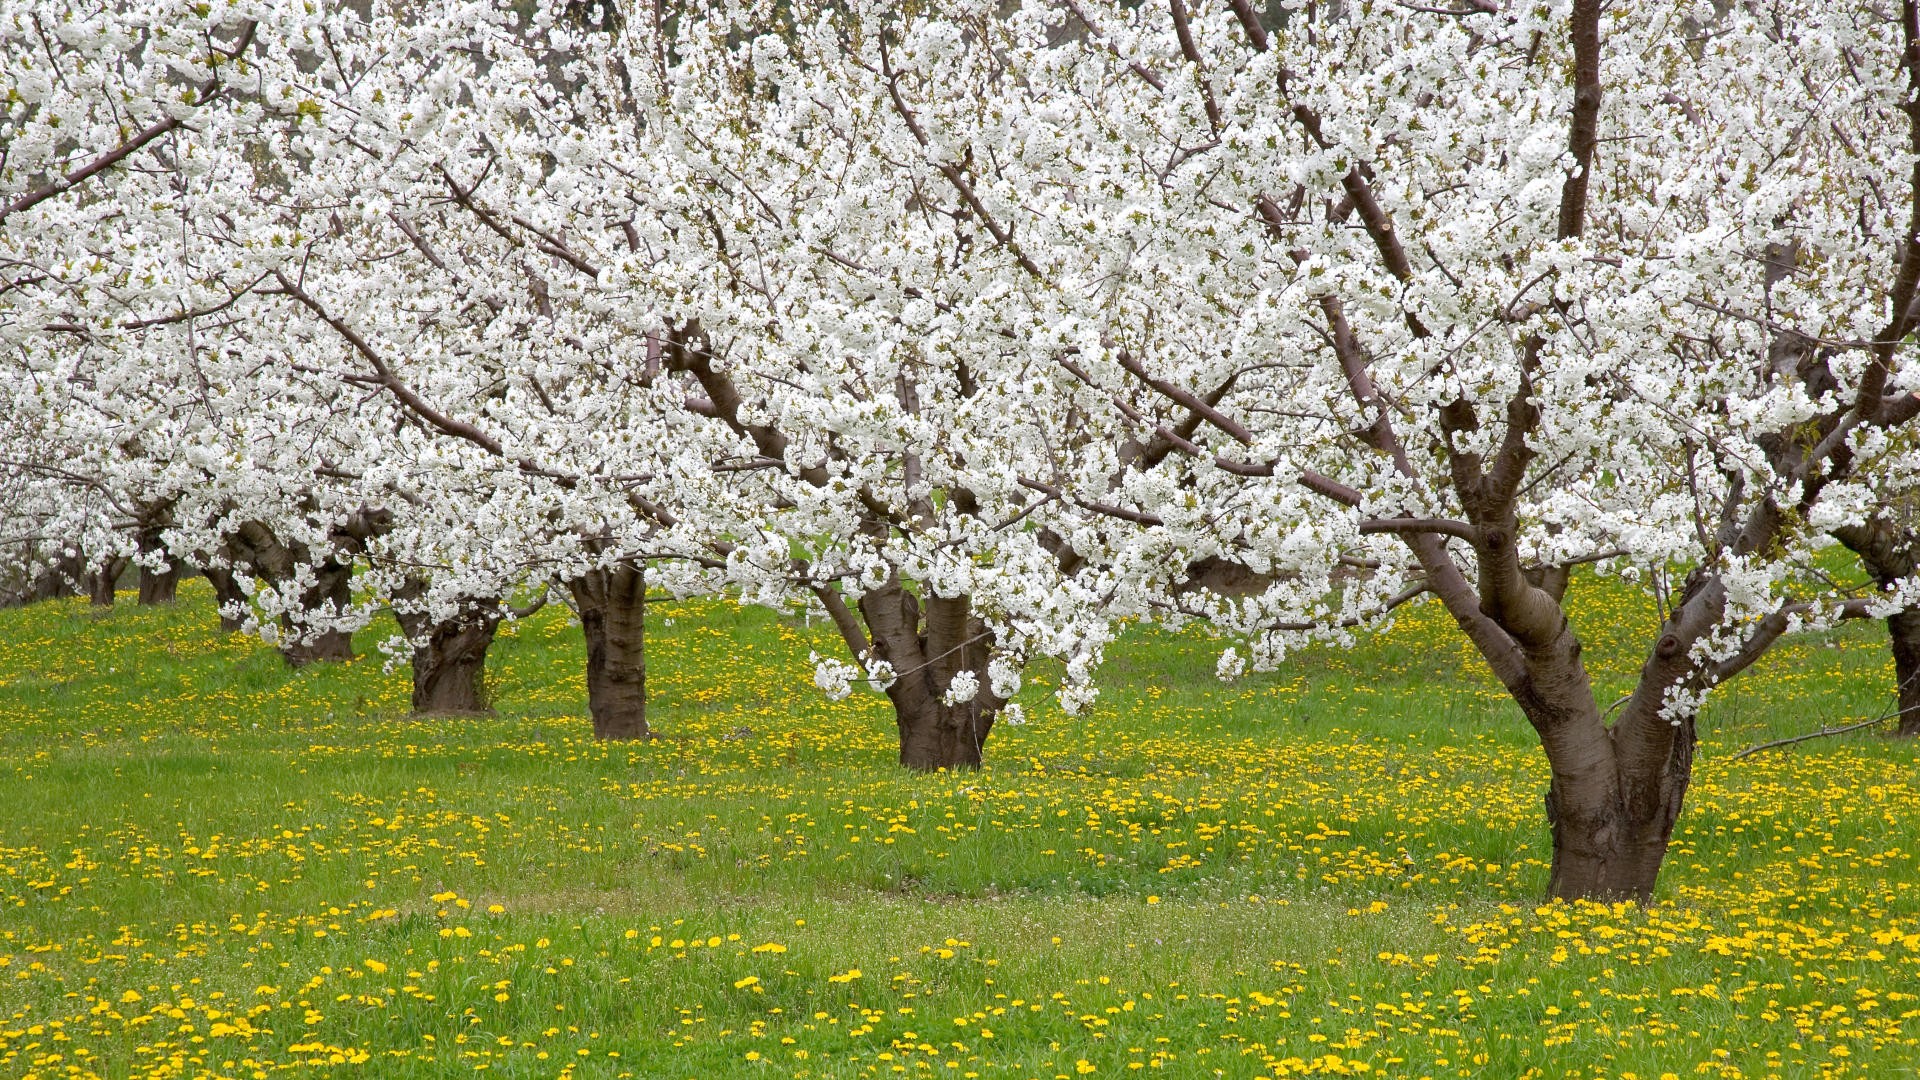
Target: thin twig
{"type": "Point", "coordinates": [1822, 733]}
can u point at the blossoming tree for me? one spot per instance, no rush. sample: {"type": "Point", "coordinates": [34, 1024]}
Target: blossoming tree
{"type": "Point", "coordinates": [1422, 301]}
{"type": "Point", "coordinates": [976, 327]}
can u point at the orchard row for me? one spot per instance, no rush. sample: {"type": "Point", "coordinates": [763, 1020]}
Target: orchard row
{"type": "Point", "coordinates": [978, 329]}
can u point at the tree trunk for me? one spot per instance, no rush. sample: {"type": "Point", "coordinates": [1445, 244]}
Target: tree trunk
{"type": "Point", "coordinates": [50, 583]}
{"type": "Point", "coordinates": [612, 604]}
{"type": "Point", "coordinates": [226, 593]}
{"type": "Point", "coordinates": [159, 588]}
{"type": "Point", "coordinates": [156, 586]}
{"type": "Point", "coordinates": [450, 671]}
{"type": "Point", "coordinates": [1615, 792]}
{"type": "Point", "coordinates": [101, 582]}
{"type": "Point", "coordinates": [1611, 807]}
{"type": "Point", "coordinates": [331, 593]}
{"type": "Point", "coordinates": [449, 657]}
{"type": "Point", "coordinates": [1903, 628]}
{"type": "Point", "coordinates": [58, 583]}
{"type": "Point", "coordinates": [935, 735]}
{"type": "Point", "coordinates": [927, 654]}
{"type": "Point", "coordinates": [1611, 833]}
{"type": "Point", "coordinates": [1890, 551]}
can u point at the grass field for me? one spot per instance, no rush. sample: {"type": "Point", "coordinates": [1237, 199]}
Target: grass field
{"type": "Point", "coordinates": [210, 865]}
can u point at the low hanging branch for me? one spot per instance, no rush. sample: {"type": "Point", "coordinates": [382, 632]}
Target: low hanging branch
{"type": "Point", "coordinates": [1821, 734]}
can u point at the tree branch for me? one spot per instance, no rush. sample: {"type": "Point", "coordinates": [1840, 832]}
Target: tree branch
{"type": "Point", "coordinates": [1437, 526]}
{"type": "Point", "coordinates": [208, 91]}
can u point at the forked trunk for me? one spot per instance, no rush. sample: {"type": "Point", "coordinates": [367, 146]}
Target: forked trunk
{"type": "Point", "coordinates": [1615, 792]}
{"type": "Point", "coordinates": [928, 653]}
{"type": "Point", "coordinates": [1609, 845]}
{"type": "Point", "coordinates": [101, 582]}
{"type": "Point", "coordinates": [450, 657]}
{"type": "Point", "coordinates": [330, 594]}
{"type": "Point", "coordinates": [612, 605]}
{"type": "Point", "coordinates": [227, 596]}
{"type": "Point", "coordinates": [1903, 628]}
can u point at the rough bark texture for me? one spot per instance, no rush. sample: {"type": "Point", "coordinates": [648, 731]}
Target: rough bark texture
{"type": "Point", "coordinates": [1611, 825]}
{"type": "Point", "coordinates": [1614, 793]}
{"type": "Point", "coordinates": [254, 546]}
{"type": "Point", "coordinates": [450, 656]}
{"type": "Point", "coordinates": [612, 605]}
{"type": "Point", "coordinates": [927, 650]}
{"type": "Point", "coordinates": [49, 583]}
{"type": "Point", "coordinates": [159, 587]}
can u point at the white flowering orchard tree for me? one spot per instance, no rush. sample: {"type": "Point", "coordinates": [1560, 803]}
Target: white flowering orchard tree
{"type": "Point", "coordinates": [509, 228]}
{"type": "Point", "coordinates": [531, 438]}
{"type": "Point", "coordinates": [51, 516]}
{"type": "Point", "coordinates": [159, 441]}
{"type": "Point", "coordinates": [143, 329]}
{"type": "Point", "coordinates": [502, 229]}
{"type": "Point", "coordinates": [1422, 300]}
{"type": "Point", "coordinates": [104, 212]}
{"type": "Point", "coordinates": [814, 283]}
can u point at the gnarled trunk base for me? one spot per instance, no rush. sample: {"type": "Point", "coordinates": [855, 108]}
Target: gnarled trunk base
{"type": "Point", "coordinates": [930, 649]}
{"type": "Point", "coordinates": [612, 605]}
{"type": "Point", "coordinates": [1611, 848]}
{"type": "Point", "coordinates": [450, 657]}
{"type": "Point", "coordinates": [101, 582]}
{"type": "Point", "coordinates": [450, 672]}
{"type": "Point", "coordinates": [941, 736]}
{"type": "Point", "coordinates": [156, 586]}
{"type": "Point", "coordinates": [159, 587]}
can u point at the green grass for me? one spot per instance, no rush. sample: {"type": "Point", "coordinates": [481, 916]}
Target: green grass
{"type": "Point", "coordinates": [211, 865]}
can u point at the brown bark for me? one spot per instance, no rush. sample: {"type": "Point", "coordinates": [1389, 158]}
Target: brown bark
{"type": "Point", "coordinates": [612, 605]}
{"type": "Point", "coordinates": [1611, 823]}
{"type": "Point", "coordinates": [1614, 794]}
{"type": "Point", "coordinates": [450, 656]}
{"type": "Point", "coordinates": [101, 582]}
{"type": "Point", "coordinates": [1903, 628]}
{"type": "Point", "coordinates": [156, 586]}
{"type": "Point", "coordinates": [159, 587]}
{"type": "Point", "coordinates": [927, 650]}
{"type": "Point", "coordinates": [1890, 552]}
{"type": "Point", "coordinates": [255, 546]}
{"type": "Point", "coordinates": [49, 583]}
